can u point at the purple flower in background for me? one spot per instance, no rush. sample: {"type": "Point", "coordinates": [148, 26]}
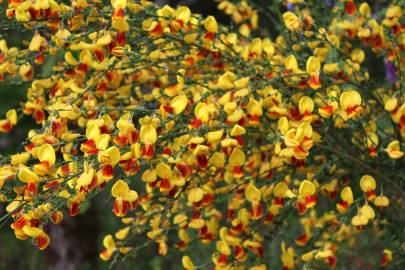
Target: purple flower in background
{"type": "Point", "coordinates": [376, 17]}
{"type": "Point", "coordinates": [390, 71]}
{"type": "Point", "coordinates": [330, 3]}
{"type": "Point", "coordinates": [290, 6]}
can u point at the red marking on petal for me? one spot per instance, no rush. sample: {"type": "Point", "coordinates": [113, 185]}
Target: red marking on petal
{"type": "Point", "coordinates": [239, 138]}
{"type": "Point", "coordinates": [39, 59]}
{"type": "Point", "coordinates": [222, 260]}
{"type": "Point", "coordinates": [100, 56]}
{"type": "Point", "coordinates": [195, 123]}
{"type": "Point", "coordinates": [6, 127]}
{"type": "Point", "coordinates": [39, 116]}
{"type": "Point", "coordinates": [168, 109]}
{"type": "Point", "coordinates": [134, 137]}
{"type": "Point", "coordinates": [302, 208]}
{"type": "Point", "coordinates": [30, 190]}
{"type": "Point", "coordinates": [351, 7]}
{"type": "Point", "coordinates": [256, 211]}
{"type": "Point", "coordinates": [202, 160]}
{"type": "Point", "coordinates": [230, 214]}
{"type": "Point", "coordinates": [279, 201]}
{"type": "Point", "coordinates": [332, 261]}
{"type": "Point", "coordinates": [118, 13]}
{"type": "Point", "coordinates": [120, 208]}
{"type": "Point", "coordinates": [269, 219]}
{"type": "Point", "coordinates": [157, 31]}
{"type": "Point", "coordinates": [74, 209]}
{"type": "Point", "coordinates": [19, 223]}
{"type": "Point", "coordinates": [121, 39]}
{"type": "Point", "coordinates": [165, 184]}
{"type": "Point", "coordinates": [82, 68]}
{"type": "Point", "coordinates": [65, 169]}
{"type": "Point", "coordinates": [148, 151]}
{"type": "Point", "coordinates": [237, 172]}
{"type": "Point", "coordinates": [108, 171]}
{"type": "Point", "coordinates": [43, 241]}
{"type": "Point", "coordinates": [52, 184]}
{"type": "Point", "coordinates": [184, 169]}
{"type": "Point", "coordinates": [371, 194]}
{"type": "Point", "coordinates": [254, 119]}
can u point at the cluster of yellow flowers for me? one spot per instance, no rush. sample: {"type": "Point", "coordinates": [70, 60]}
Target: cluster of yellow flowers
{"type": "Point", "coordinates": [207, 136]}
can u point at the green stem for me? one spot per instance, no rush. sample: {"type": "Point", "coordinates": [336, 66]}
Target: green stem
{"type": "Point", "coordinates": [362, 164]}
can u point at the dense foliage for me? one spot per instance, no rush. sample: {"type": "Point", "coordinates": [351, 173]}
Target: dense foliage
{"type": "Point", "coordinates": [268, 153]}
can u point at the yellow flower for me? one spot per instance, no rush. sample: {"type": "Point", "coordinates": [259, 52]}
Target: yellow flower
{"type": "Point", "coordinates": [104, 40]}
{"type": "Point", "coordinates": [306, 257]}
{"type": "Point", "coordinates": [288, 256]}
{"type": "Point", "coordinates": [367, 211]}
{"type": "Point", "coordinates": [38, 42]}
{"type": "Point", "coordinates": [381, 201]}
{"type": "Point", "coordinates": [359, 221]}
{"type": "Point", "coordinates": [21, 158]}
{"type": "Point", "coordinates": [125, 199]}
{"type": "Point", "coordinates": [368, 185]}
{"type": "Point", "coordinates": [187, 263]}
{"type": "Point", "coordinates": [27, 176]}
{"type": "Point", "coordinates": [26, 72]}
{"type": "Point", "coordinates": [179, 104]}
{"type": "Point", "coordinates": [41, 238]}
{"type": "Point", "coordinates": [252, 193]}
{"type": "Point", "coordinates": [110, 248]}
{"type": "Point", "coordinates": [195, 195]}
{"type": "Point", "coordinates": [95, 140]}
{"type": "Point", "coordinates": [163, 171]}
{"type": "Point", "coordinates": [116, 4]}
{"type": "Point", "coordinates": [85, 178]}
{"type": "Point", "coordinates": [350, 102]}
{"type": "Point", "coordinates": [183, 13]}
{"type": "Point", "coordinates": [291, 64]}
{"type": "Point", "coordinates": [201, 112]}
{"type": "Point", "coordinates": [358, 56]}
{"type": "Point", "coordinates": [391, 104]}
{"type": "Point", "coordinates": [70, 59]}
{"type": "Point", "coordinates": [313, 65]}
{"type": "Point", "coordinates": [47, 157]}
{"type": "Point", "coordinates": [254, 109]}
{"type": "Point", "coordinates": [226, 81]}
{"type": "Point", "coordinates": [365, 10]}
{"type": "Point", "coordinates": [394, 150]}
{"type": "Point", "coordinates": [392, 15]}
{"type": "Point", "coordinates": [306, 106]}
{"type": "Point", "coordinates": [387, 258]}
{"type": "Point", "coordinates": [307, 197]}
{"type": "Point", "coordinates": [347, 199]}
{"type": "Point", "coordinates": [149, 176]}
{"type": "Point", "coordinates": [321, 254]}
{"type": "Point", "coordinates": [148, 134]}
{"type": "Point", "coordinates": [46, 153]}
{"type": "Point", "coordinates": [211, 24]}
{"type": "Point", "coordinates": [291, 21]}
{"type": "Point", "coordinates": [110, 156]}
{"type": "Point", "coordinates": [11, 116]}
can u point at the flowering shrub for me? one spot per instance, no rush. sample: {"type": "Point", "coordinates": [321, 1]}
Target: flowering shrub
{"type": "Point", "coordinates": [269, 153]}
